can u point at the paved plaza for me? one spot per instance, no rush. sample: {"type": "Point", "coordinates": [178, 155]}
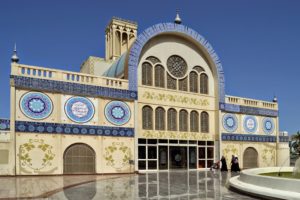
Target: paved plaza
{"type": "Point", "coordinates": [179, 184]}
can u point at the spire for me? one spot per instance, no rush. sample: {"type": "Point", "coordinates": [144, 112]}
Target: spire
{"type": "Point", "coordinates": [275, 99]}
{"type": "Point", "coordinates": [177, 19]}
{"type": "Point", "coordinates": [15, 58]}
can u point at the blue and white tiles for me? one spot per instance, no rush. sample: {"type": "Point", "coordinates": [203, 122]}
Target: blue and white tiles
{"type": "Point", "coordinates": [117, 112]}
{"type": "Point", "coordinates": [36, 105]}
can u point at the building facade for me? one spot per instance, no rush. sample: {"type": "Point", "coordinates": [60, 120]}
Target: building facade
{"type": "Point", "coordinates": [155, 102]}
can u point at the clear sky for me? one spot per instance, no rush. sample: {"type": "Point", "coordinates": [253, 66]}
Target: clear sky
{"type": "Point", "coordinates": [257, 41]}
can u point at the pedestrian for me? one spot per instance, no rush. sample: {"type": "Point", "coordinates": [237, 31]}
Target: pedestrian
{"type": "Point", "coordinates": [223, 164]}
{"type": "Point", "coordinates": [235, 164]}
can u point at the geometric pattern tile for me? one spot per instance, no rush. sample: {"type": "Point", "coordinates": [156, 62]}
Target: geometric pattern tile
{"type": "Point", "coordinates": [72, 129]}
{"type": "Point", "coordinates": [117, 112]}
{"type": "Point", "coordinates": [248, 110]}
{"type": "Point", "coordinates": [247, 137]}
{"type": "Point", "coordinates": [268, 125]}
{"type": "Point", "coordinates": [72, 88]}
{"type": "Point", "coordinates": [36, 105]}
{"type": "Point", "coordinates": [230, 122]}
{"type": "Point", "coordinates": [4, 124]}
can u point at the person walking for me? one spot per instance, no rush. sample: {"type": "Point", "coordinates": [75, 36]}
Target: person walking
{"type": "Point", "coordinates": [235, 164]}
{"type": "Point", "coordinates": [223, 164]}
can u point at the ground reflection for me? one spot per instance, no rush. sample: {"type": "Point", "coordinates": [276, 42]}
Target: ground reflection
{"type": "Point", "coordinates": [162, 185]}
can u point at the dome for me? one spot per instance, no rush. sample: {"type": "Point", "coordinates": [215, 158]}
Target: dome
{"type": "Point", "coordinates": [117, 68]}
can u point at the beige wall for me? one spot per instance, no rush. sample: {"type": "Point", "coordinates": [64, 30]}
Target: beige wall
{"type": "Point", "coordinates": [266, 152]}
{"type": "Point", "coordinates": [43, 153]}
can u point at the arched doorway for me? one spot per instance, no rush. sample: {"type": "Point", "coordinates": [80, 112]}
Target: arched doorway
{"type": "Point", "coordinates": [250, 158]}
{"type": "Point", "coordinates": [79, 159]}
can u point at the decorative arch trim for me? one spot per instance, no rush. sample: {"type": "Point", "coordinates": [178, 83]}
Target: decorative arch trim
{"type": "Point", "coordinates": [160, 28]}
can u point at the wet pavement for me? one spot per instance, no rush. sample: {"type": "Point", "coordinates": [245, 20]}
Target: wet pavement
{"type": "Point", "coordinates": [188, 185]}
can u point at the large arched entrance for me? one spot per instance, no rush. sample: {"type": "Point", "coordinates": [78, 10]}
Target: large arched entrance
{"type": "Point", "coordinates": [250, 158]}
{"type": "Point", "coordinates": [79, 159]}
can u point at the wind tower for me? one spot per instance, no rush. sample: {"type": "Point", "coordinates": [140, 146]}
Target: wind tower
{"type": "Point", "coordinates": [119, 35]}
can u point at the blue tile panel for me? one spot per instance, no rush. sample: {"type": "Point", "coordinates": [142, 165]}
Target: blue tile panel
{"type": "Point", "coordinates": [144, 37]}
{"type": "Point", "coordinates": [72, 88]}
{"type": "Point", "coordinates": [4, 124]}
{"type": "Point", "coordinates": [283, 138]}
{"type": "Point", "coordinates": [248, 137]}
{"type": "Point", "coordinates": [248, 110]}
{"type": "Point", "coordinates": [72, 129]}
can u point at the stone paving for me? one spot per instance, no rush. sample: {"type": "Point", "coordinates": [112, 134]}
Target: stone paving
{"type": "Point", "coordinates": [179, 184]}
{"type": "Point", "coordinates": [185, 185]}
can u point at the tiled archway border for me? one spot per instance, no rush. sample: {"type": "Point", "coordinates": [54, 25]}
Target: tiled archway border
{"type": "Point", "coordinates": [152, 31]}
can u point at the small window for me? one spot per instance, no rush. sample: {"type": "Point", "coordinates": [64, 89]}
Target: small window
{"type": "Point", "coordinates": [147, 117]}
{"type": "Point", "coordinates": [146, 74]}
{"type": "Point", "coordinates": [204, 122]}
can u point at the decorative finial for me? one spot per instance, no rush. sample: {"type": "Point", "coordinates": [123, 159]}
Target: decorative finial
{"type": "Point", "coordinates": [275, 99]}
{"type": "Point", "coordinates": [15, 58]}
{"type": "Point", "coordinates": [177, 19]}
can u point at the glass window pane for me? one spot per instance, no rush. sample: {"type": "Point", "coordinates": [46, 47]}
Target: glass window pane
{"type": "Point", "coordinates": [201, 153]}
{"type": "Point", "coordinates": [142, 165]}
{"type": "Point", "coordinates": [152, 164]}
{"type": "Point", "coordinates": [210, 152]}
{"type": "Point", "coordinates": [201, 164]}
{"type": "Point", "coordinates": [142, 152]}
{"type": "Point", "coordinates": [152, 154]}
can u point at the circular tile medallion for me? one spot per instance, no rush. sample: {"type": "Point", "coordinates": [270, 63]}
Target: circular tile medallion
{"type": "Point", "coordinates": [117, 112]}
{"type": "Point", "coordinates": [268, 125]}
{"type": "Point", "coordinates": [36, 105]}
{"type": "Point", "coordinates": [230, 122]}
{"type": "Point", "coordinates": [250, 124]}
{"type": "Point", "coordinates": [79, 109]}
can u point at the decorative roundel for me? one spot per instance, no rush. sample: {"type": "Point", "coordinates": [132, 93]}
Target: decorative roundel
{"type": "Point", "coordinates": [177, 66]}
{"type": "Point", "coordinates": [250, 124]}
{"type": "Point", "coordinates": [268, 125]}
{"type": "Point", "coordinates": [117, 112]}
{"type": "Point", "coordinates": [79, 109]}
{"type": "Point", "coordinates": [36, 105]}
{"type": "Point", "coordinates": [230, 122]}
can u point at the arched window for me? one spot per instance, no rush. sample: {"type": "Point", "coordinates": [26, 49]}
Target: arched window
{"type": "Point", "coordinates": [194, 121]}
{"type": "Point", "coordinates": [146, 74]}
{"type": "Point", "coordinates": [203, 84]}
{"type": "Point", "coordinates": [147, 117]}
{"type": "Point", "coordinates": [160, 118]}
{"type": "Point", "coordinates": [193, 82]}
{"type": "Point", "coordinates": [198, 69]}
{"type": "Point", "coordinates": [159, 76]}
{"type": "Point", "coordinates": [204, 122]}
{"type": "Point", "coordinates": [183, 120]}
{"type": "Point", "coordinates": [182, 85]}
{"type": "Point", "coordinates": [153, 59]}
{"type": "Point", "coordinates": [172, 119]}
{"type": "Point", "coordinates": [171, 82]}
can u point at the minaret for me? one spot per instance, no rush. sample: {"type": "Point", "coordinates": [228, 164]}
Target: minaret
{"type": "Point", "coordinates": [177, 18]}
{"type": "Point", "coordinates": [15, 58]}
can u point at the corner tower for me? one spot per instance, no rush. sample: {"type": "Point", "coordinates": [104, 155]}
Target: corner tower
{"type": "Point", "coordinates": [119, 35]}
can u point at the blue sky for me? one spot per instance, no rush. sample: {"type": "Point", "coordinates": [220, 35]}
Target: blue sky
{"type": "Point", "coordinates": [257, 41]}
